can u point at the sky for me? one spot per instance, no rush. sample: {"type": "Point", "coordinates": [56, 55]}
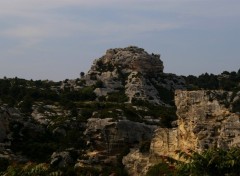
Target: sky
{"type": "Point", "coordinates": [58, 39]}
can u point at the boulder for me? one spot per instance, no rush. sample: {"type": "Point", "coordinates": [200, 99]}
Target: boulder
{"type": "Point", "coordinates": [64, 158]}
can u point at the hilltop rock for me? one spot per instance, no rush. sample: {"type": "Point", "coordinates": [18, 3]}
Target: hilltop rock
{"type": "Point", "coordinates": [135, 73]}
{"type": "Point", "coordinates": [131, 59]}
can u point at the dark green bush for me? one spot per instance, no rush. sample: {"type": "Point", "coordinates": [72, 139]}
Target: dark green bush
{"type": "Point", "coordinates": [26, 105]}
{"type": "Point", "coordinates": [4, 163]}
{"type": "Point", "coordinates": [117, 97]}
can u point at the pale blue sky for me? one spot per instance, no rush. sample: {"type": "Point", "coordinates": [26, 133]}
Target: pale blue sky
{"type": "Point", "coordinates": [57, 39]}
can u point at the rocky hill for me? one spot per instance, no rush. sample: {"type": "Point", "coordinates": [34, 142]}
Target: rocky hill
{"type": "Point", "coordinates": [121, 118]}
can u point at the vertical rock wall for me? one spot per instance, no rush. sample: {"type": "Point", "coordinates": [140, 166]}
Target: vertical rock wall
{"type": "Point", "coordinates": [206, 119]}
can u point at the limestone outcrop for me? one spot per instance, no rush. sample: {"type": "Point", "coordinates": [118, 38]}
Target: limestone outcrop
{"type": "Point", "coordinates": [108, 139]}
{"type": "Point", "coordinates": [206, 119]}
{"type": "Point", "coordinates": [137, 163]}
{"type": "Point", "coordinates": [132, 59]}
{"type": "Point", "coordinates": [113, 135]}
{"type": "Point", "coordinates": [134, 72]}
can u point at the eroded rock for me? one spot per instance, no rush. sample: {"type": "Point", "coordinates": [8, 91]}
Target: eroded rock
{"type": "Point", "coordinates": [135, 72]}
{"type": "Point", "coordinates": [205, 120]}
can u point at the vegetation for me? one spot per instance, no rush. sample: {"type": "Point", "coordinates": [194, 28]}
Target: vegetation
{"type": "Point", "coordinates": [43, 169]}
{"type": "Point", "coordinates": [23, 93]}
{"type": "Point", "coordinates": [30, 169]}
{"type": "Point", "coordinates": [4, 163]}
{"type": "Point", "coordinates": [145, 146]}
{"type": "Point", "coordinates": [166, 114]}
{"type": "Point", "coordinates": [226, 81]}
{"type": "Point", "coordinates": [210, 162]}
{"type": "Point", "coordinates": [104, 66]}
{"type": "Point", "coordinates": [118, 97]}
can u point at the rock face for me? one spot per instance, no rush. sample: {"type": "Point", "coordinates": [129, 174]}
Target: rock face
{"type": "Point", "coordinates": [113, 135]}
{"type": "Point", "coordinates": [13, 128]}
{"type": "Point", "coordinates": [133, 71]}
{"type": "Point", "coordinates": [165, 142]}
{"type": "Point", "coordinates": [137, 163]}
{"type": "Point", "coordinates": [132, 59]}
{"type": "Point", "coordinates": [108, 139]}
{"type": "Point", "coordinates": [10, 118]}
{"type": "Point", "coordinates": [206, 119]}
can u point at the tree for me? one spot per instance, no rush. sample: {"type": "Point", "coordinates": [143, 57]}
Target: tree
{"type": "Point", "coordinates": [82, 74]}
{"type": "Point", "coordinates": [238, 72]}
{"type": "Point", "coordinates": [87, 93]}
{"type": "Point", "coordinates": [26, 105]}
{"type": "Point", "coordinates": [74, 111]}
{"type": "Point", "coordinates": [99, 84]}
{"type": "Point", "coordinates": [4, 163]}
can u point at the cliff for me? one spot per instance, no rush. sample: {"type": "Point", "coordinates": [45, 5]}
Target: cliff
{"type": "Point", "coordinates": [206, 119]}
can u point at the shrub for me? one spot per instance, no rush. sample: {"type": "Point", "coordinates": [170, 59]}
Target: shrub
{"type": "Point", "coordinates": [99, 84]}
{"type": "Point", "coordinates": [209, 162]}
{"type": "Point", "coordinates": [86, 113]}
{"type": "Point", "coordinates": [118, 97]}
{"type": "Point", "coordinates": [4, 163]}
{"type": "Point", "coordinates": [26, 105]}
{"type": "Point", "coordinates": [87, 93]}
{"type": "Point", "coordinates": [236, 106]}
{"type": "Point", "coordinates": [160, 169]}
